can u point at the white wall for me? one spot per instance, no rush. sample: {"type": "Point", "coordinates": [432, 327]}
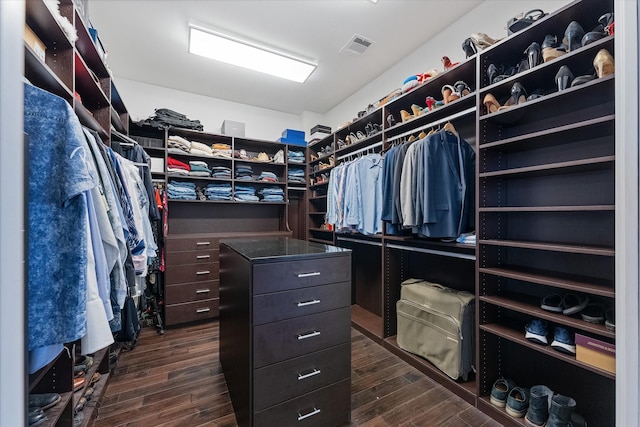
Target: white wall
{"type": "Point", "coordinates": [489, 17]}
{"type": "Point", "coordinates": [141, 99]}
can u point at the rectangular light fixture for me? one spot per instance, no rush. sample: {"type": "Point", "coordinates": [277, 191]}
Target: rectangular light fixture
{"type": "Point", "coordinates": [230, 50]}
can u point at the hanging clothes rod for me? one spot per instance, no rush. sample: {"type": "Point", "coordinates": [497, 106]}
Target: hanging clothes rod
{"type": "Point", "coordinates": [434, 123]}
{"type": "Point", "coordinates": [377, 144]}
{"type": "Point", "coordinates": [128, 144]}
{"type": "Point", "coordinates": [366, 242]}
{"type": "Point", "coordinates": [432, 251]}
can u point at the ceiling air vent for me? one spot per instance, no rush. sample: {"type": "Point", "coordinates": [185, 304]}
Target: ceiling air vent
{"type": "Point", "coordinates": [356, 45]}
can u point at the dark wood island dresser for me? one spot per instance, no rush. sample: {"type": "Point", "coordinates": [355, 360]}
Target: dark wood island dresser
{"type": "Point", "coordinates": [285, 331]}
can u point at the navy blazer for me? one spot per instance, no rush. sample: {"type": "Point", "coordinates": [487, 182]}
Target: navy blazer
{"type": "Point", "coordinates": [447, 182]}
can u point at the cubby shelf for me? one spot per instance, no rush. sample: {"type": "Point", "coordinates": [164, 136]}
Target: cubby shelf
{"type": "Point", "coordinates": [554, 247]}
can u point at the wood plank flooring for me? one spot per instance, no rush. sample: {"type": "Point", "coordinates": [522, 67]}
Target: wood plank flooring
{"type": "Point", "coordinates": [176, 380]}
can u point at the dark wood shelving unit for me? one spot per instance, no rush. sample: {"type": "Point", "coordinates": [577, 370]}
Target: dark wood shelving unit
{"type": "Point", "coordinates": [546, 215]}
{"type": "Point", "coordinates": [367, 322]}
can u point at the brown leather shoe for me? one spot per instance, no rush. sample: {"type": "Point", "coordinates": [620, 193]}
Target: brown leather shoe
{"type": "Point", "coordinates": [78, 383]}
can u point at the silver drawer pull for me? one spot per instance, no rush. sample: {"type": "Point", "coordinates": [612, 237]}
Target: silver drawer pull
{"type": "Point", "coordinates": [315, 411]}
{"type": "Point", "coordinates": [203, 256]}
{"type": "Point", "coordinates": [315, 273]}
{"type": "Point", "coordinates": [310, 374]}
{"type": "Point", "coordinates": [203, 310]}
{"type": "Point", "coordinates": [313, 301]}
{"type": "Point", "coordinates": [200, 273]}
{"type": "Point", "coordinates": [202, 243]}
{"type": "Point", "coordinates": [309, 335]}
{"type": "Point", "coordinates": [202, 291]}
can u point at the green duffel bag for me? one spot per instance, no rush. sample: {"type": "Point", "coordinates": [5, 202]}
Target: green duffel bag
{"type": "Point", "coordinates": [437, 323]}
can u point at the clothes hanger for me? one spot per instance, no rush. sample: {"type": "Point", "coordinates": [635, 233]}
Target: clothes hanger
{"type": "Point", "coordinates": [450, 128]}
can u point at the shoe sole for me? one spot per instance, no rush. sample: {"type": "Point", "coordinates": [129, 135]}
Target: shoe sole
{"type": "Point", "coordinates": [529, 423]}
{"type": "Point", "coordinates": [498, 403]}
{"type": "Point", "coordinates": [540, 339]}
{"type": "Point", "coordinates": [564, 348]}
{"type": "Point", "coordinates": [515, 413]}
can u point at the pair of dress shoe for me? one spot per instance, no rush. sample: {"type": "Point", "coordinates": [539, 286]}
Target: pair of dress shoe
{"type": "Point", "coordinates": [518, 96]}
{"type": "Point", "coordinates": [603, 64]}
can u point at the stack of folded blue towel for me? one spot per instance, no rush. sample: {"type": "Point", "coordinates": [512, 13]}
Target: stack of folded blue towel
{"type": "Point", "coordinates": [295, 156]}
{"type": "Point", "coordinates": [181, 190]}
{"type": "Point", "coordinates": [218, 191]}
{"type": "Point", "coordinates": [271, 194]}
{"type": "Point", "coordinates": [296, 175]}
{"type": "Point", "coordinates": [221, 172]}
{"type": "Point", "coordinates": [245, 193]}
{"type": "Point", "coordinates": [244, 173]}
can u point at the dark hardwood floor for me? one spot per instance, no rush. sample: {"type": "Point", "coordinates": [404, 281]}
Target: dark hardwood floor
{"type": "Point", "coordinates": [176, 380]}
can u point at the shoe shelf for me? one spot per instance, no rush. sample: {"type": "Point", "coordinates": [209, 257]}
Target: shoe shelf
{"type": "Point", "coordinates": [373, 140]}
{"type": "Point", "coordinates": [318, 197]}
{"type": "Point", "coordinates": [601, 288]}
{"type": "Point", "coordinates": [516, 335]}
{"type": "Point", "coordinates": [586, 208]}
{"type": "Point", "coordinates": [591, 100]}
{"type": "Point", "coordinates": [530, 306]}
{"type": "Point", "coordinates": [542, 76]}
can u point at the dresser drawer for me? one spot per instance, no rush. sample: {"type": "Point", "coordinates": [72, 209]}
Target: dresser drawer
{"type": "Point", "coordinates": [277, 383]}
{"type": "Point", "coordinates": [281, 276]}
{"type": "Point", "coordinates": [329, 406]}
{"type": "Point", "coordinates": [191, 273]}
{"type": "Point", "coordinates": [181, 244]}
{"type": "Point", "coordinates": [300, 302]}
{"type": "Point", "coordinates": [191, 311]}
{"type": "Point", "coordinates": [192, 257]}
{"type": "Point", "coordinates": [279, 341]}
{"type": "Point", "coordinates": [189, 292]}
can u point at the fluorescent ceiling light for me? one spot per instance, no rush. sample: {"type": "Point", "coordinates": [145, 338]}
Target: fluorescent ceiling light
{"type": "Point", "coordinates": [248, 55]}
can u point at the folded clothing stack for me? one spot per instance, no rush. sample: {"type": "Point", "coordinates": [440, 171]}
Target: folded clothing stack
{"type": "Point", "coordinates": [267, 176]}
{"type": "Point", "coordinates": [221, 172]}
{"type": "Point", "coordinates": [296, 175]}
{"type": "Point", "coordinates": [176, 166]}
{"type": "Point", "coordinates": [244, 173]}
{"type": "Point", "coordinates": [178, 145]}
{"type": "Point", "coordinates": [218, 191]}
{"type": "Point", "coordinates": [222, 150]}
{"type": "Point", "coordinates": [181, 190]}
{"type": "Point", "coordinates": [245, 193]}
{"type": "Point", "coordinates": [200, 149]}
{"type": "Point", "coordinates": [468, 238]}
{"type": "Point", "coordinates": [271, 194]}
{"type": "Point", "coordinates": [199, 168]}
{"type": "Point", "coordinates": [295, 156]}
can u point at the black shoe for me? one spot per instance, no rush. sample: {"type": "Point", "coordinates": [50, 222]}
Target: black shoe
{"type": "Point", "coordinates": [36, 417]}
{"type": "Point", "coordinates": [564, 77]}
{"type": "Point", "coordinates": [43, 401]}
{"type": "Point", "coordinates": [469, 47]}
{"type": "Point", "coordinates": [573, 36]}
{"type": "Point", "coordinates": [533, 54]}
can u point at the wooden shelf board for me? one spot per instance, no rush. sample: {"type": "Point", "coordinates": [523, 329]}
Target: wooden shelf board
{"type": "Point", "coordinates": [320, 230]}
{"type": "Point", "coordinates": [89, 89]}
{"type": "Point", "coordinates": [311, 187]}
{"type": "Point", "coordinates": [518, 338]}
{"type": "Point", "coordinates": [367, 322]}
{"type": "Point", "coordinates": [201, 178]}
{"type": "Point", "coordinates": [87, 119]}
{"type": "Point", "coordinates": [548, 279]}
{"type": "Point", "coordinates": [326, 242]}
{"type": "Point", "coordinates": [564, 167]}
{"type": "Point", "coordinates": [117, 122]}
{"type": "Point", "coordinates": [55, 413]}
{"type": "Point", "coordinates": [88, 49]}
{"type": "Point", "coordinates": [158, 150]}
{"type": "Point", "coordinates": [536, 311]}
{"type": "Point", "coordinates": [317, 197]}
{"type": "Point", "coordinates": [317, 213]}
{"type": "Point", "coordinates": [234, 202]}
{"type": "Point", "coordinates": [554, 247]}
{"type": "Point", "coordinates": [195, 156]}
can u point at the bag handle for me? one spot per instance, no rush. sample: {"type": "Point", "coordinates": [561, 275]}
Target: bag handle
{"type": "Point", "coordinates": [535, 14]}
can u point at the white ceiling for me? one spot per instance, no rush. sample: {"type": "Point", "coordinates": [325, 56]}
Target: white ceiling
{"type": "Point", "coordinates": [147, 41]}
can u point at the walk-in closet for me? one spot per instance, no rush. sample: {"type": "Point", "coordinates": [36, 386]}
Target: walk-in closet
{"type": "Point", "coordinates": [436, 224]}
